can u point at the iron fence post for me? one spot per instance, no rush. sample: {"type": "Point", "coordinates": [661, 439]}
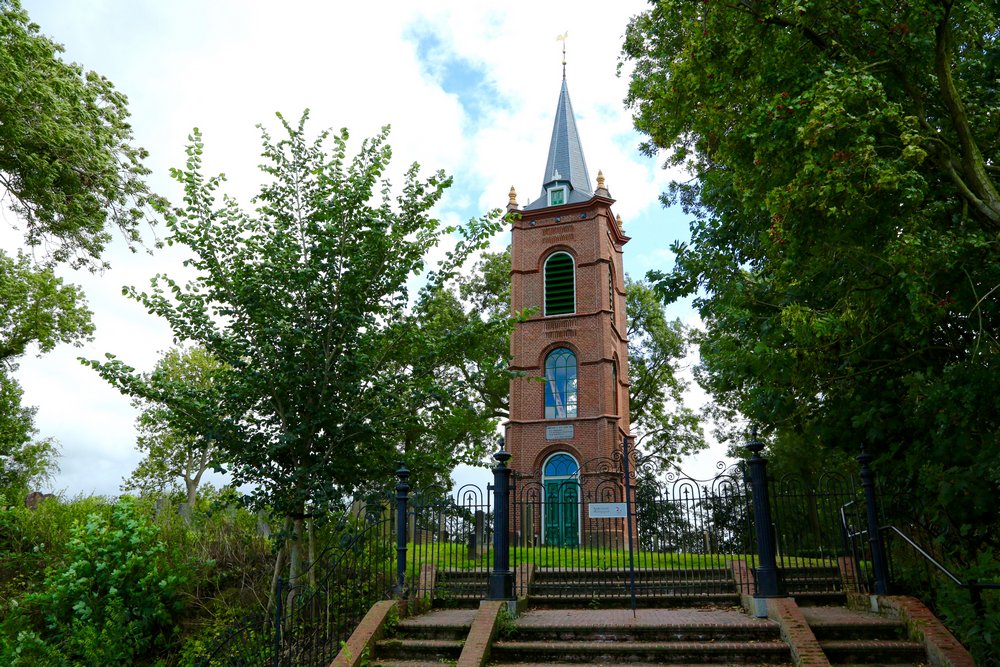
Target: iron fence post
{"type": "Point", "coordinates": [501, 582]}
{"type": "Point", "coordinates": [279, 594]}
{"type": "Point", "coordinates": [402, 491]}
{"type": "Point", "coordinates": [881, 572]}
{"type": "Point", "coordinates": [768, 584]}
{"type": "Point", "coordinates": [629, 520]}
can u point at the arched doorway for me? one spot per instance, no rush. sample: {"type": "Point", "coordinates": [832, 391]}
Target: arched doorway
{"type": "Point", "coordinates": [561, 510]}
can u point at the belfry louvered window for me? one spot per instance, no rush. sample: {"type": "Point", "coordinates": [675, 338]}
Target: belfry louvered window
{"type": "Point", "coordinates": [560, 284]}
{"type": "Point", "coordinates": [560, 384]}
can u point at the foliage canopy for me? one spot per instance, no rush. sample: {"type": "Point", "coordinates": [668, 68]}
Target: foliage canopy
{"type": "Point", "coordinates": [844, 250]}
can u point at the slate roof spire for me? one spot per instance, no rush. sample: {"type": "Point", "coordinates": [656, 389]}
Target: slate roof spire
{"type": "Point", "coordinates": [565, 165]}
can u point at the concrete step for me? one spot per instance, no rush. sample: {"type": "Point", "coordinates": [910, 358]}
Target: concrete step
{"type": "Point", "coordinates": [642, 652]}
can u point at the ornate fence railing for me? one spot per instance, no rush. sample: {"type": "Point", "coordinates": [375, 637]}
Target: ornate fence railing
{"type": "Point", "coordinates": [603, 528]}
{"type": "Point", "coordinates": [312, 616]}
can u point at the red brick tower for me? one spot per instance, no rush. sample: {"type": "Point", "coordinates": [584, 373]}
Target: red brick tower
{"type": "Point", "coordinates": [566, 252]}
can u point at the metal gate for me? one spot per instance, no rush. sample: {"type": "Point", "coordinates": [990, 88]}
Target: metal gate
{"type": "Point", "coordinates": [595, 533]}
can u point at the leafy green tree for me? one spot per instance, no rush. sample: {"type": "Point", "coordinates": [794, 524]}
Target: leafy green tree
{"type": "Point", "coordinates": [24, 458]}
{"type": "Point", "coordinates": [39, 312]}
{"type": "Point", "coordinates": [843, 253]}
{"type": "Point", "coordinates": [179, 431]}
{"type": "Point", "coordinates": [70, 174]}
{"type": "Point", "coordinates": [68, 168]}
{"type": "Point", "coordinates": [304, 301]}
{"type": "Point", "coordinates": [663, 426]}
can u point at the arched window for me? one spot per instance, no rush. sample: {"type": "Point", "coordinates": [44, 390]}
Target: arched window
{"type": "Point", "coordinates": [614, 385]}
{"type": "Point", "coordinates": [611, 293]}
{"type": "Point", "coordinates": [560, 284]}
{"type": "Point", "coordinates": [560, 384]}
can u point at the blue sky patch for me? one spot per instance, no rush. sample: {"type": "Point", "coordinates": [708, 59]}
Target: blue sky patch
{"type": "Point", "coordinates": [456, 75]}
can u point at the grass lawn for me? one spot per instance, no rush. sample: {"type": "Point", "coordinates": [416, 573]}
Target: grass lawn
{"type": "Point", "coordinates": [456, 556]}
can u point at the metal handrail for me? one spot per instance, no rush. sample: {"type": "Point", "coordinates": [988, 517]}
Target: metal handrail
{"type": "Point", "coordinates": [972, 583]}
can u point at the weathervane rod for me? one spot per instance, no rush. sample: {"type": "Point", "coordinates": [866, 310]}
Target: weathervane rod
{"type": "Point", "coordinates": [562, 38]}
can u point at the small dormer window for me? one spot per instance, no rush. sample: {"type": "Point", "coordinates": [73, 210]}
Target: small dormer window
{"type": "Point", "coordinates": [557, 196]}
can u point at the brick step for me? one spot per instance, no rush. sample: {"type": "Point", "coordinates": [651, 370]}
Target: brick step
{"type": "Point", "coordinates": [874, 629]}
{"type": "Point", "coordinates": [820, 598]}
{"type": "Point", "coordinates": [419, 649]}
{"type": "Point", "coordinates": [877, 652]}
{"type": "Point", "coordinates": [813, 583]}
{"type": "Point", "coordinates": [603, 664]}
{"type": "Point", "coordinates": [629, 652]}
{"type": "Point", "coordinates": [451, 631]}
{"type": "Point", "coordinates": [640, 574]}
{"type": "Point", "coordinates": [546, 588]}
{"type": "Point", "coordinates": [598, 600]}
{"type": "Point", "coordinates": [685, 632]}
{"type": "Point", "coordinates": [468, 602]}
{"type": "Point", "coordinates": [405, 663]}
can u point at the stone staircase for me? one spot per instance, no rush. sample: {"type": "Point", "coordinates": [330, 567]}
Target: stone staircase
{"type": "Point", "coordinates": [653, 637]}
{"type": "Point", "coordinates": [684, 617]}
{"type": "Point", "coordinates": [434, 638]}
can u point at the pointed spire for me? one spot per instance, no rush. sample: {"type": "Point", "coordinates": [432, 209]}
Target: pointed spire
{"type": "Point", "coordinates": [512, 199]}
{"type": "Point", "coordinates": [565, 167]}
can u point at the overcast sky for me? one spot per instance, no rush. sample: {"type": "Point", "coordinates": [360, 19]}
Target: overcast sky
{"type": "Point", "coordinates": [468, 87]}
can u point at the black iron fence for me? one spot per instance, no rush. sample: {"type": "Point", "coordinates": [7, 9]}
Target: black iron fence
{"type": "Point", "coordinates": [625, 526]}
{"type": "Point", "coordinates": [313, 615]}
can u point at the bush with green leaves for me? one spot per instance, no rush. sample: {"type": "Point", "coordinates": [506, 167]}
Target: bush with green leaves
{"type": "Point", "coordinates": [114, 600]}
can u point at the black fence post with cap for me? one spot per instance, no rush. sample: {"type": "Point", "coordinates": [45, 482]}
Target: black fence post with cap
{"type": "Point", "coordinates": [402, 492]}
{"type": "Point", "coordinates": [767, 575]}
{"type": "Point", "coordinates": [880, 571]}
{"type": "Point", "coordinates": [501, 581]}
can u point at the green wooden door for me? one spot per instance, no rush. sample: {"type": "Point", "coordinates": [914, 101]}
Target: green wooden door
{"type": "Point", "coordinates": [562, 513]}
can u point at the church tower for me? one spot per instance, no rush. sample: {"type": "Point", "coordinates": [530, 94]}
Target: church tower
{"type": "Point", "coordinates": [572, 404]}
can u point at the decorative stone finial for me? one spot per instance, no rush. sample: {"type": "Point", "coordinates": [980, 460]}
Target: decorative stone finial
{"type": "Point", "coordinates": [602, 189]}
{"type": "Point", "coordinates": [512, 202]}
{"type": "Point", "coordinates": [618, 219]}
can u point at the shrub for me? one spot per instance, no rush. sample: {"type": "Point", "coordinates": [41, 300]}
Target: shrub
{"type": "Point", "coordinates": [113, 601]}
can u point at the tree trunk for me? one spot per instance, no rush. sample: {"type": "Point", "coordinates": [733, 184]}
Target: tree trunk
{"type": "Point", "coordinates": [279, 566]}
{"type": "Point", "coordinates": [312, 555]}
{"type": "Point", "coordinates": [295, 559]}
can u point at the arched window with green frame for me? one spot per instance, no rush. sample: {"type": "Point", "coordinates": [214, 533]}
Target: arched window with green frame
{"type": "Point", "coordinates": [560, 284]}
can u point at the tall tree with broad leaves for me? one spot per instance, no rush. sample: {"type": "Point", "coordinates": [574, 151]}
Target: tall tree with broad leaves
{"type": "Point", "coordinates": [68, 168]}
{"type": "Point", "coordinates": [39, 312]}
{"type": "Point", "coordinates": [664, 427]}
{"type": "Point", "coordinates": [844, 250]}
{"type": "Point", "coordinates": [70, 174]}
{"type": "Point", "coordinates": [305, 300]}
{"type": "Point", "coordinates": [180, 430]}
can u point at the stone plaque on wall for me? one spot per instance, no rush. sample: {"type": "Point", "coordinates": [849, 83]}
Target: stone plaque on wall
{"type": "Point", "coordinates": [559, 432]}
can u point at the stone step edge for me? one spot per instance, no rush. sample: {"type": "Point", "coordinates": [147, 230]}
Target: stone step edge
{"type": "Point", "coordinates": [507, 645]}
{"type": "Point", "coordinates": [870, 644]}
{"type": "Point", "coordinates": [421, 643]}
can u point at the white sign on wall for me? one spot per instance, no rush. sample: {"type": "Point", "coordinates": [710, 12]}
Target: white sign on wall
{"type": "Point", "coordinates": [606, 510]}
